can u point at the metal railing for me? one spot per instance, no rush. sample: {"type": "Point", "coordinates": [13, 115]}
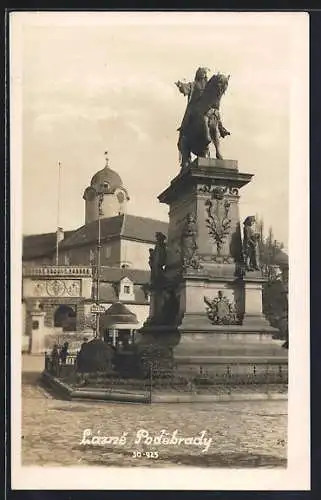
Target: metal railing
{"type": "Point", "coordinates": [58, 366]}
{"type": "Point", "coordinates": [222, 378]}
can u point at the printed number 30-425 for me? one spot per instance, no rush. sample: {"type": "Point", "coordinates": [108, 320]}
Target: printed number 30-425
{"type": "Point", "coordinates": [147, 454]}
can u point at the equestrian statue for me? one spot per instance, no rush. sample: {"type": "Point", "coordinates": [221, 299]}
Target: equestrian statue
{"type": "Point", "coordinates": [202, 123]}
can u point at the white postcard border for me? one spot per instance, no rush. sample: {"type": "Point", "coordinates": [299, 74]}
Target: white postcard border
{"type": "Point", "coordinates": [297, 474]}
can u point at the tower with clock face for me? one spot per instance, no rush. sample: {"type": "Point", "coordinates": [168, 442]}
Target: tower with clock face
{"type": "Point", "coordinates": [115, 196]}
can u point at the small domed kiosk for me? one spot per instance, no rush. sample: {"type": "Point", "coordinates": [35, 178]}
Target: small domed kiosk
{"type": "Point", "coordinates": [118, 325]}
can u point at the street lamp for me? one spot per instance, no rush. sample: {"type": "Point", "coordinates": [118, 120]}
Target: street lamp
{"type": "Point", "coordinates": [96, 309]}
{"type": "Point", "coordinates": [98, 264]}
{"type": "Point", "coordinates": [100, 201]}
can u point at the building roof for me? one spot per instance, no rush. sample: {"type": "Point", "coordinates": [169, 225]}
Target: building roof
{"type": "Point", "coordinates": [125, 225]}
{"type": "Point", "coordinates": [115, 274]}
{"type": "Point", "coordinates": [118, 313]}
{"type": "Point", "coordinates": [87, 234]}
{"type": "Point", "coordinates": [108, 293]}
{"type": "Point", "coordinates": [40, 245]}
{"type": "Point", "coordinates": [142, 228]}
{"type": "Point", "coordinates": [108, 177]}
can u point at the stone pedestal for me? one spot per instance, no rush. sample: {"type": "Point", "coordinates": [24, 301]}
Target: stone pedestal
{"type": "Point", "coordinates": [37, 334]}
{"type": "Point", "coordinates": [253, 307]}
{"type": "Point", "coordinates": [216, 304]}
{"type": "Point", "coordinates": [208, 190]}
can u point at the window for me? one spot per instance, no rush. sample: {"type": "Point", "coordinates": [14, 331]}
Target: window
{"type": "Point", "coordinates": [107, 252]}
{"type": "Point", "coordinates": [126, 290]}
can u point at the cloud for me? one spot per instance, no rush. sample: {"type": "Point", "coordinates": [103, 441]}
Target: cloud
{"type": "Point", "coordinates": [88, 89]}
{"type": "Point", "coordinates": [142, 136]}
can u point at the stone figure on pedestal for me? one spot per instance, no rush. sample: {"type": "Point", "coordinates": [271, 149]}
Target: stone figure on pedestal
{"type": "Point", "coordinates": [203, 305]}
{"type": "Point", "coordinates": [202, 123]}
{"type": "Point", "coordinates": [157, 260]}
{"type": "Point", "coordinates": [250, 244]}
{"type": "Point", "coordinates": [190, 258]}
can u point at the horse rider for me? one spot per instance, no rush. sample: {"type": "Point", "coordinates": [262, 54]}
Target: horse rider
{"type": "Point", "coordinates": [194, 90]}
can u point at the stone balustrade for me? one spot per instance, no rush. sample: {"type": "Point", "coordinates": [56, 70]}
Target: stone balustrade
{"type": "Point", "coordinates": [81, 271]}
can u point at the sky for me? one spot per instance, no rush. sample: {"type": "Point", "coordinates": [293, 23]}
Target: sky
{"type": "Point", "coordinates": [91, 83]}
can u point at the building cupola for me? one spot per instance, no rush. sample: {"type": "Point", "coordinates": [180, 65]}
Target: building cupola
{"type": "Point", "coordinates": [115, 196]}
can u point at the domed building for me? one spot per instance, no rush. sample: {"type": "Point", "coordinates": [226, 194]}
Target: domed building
{"type": "Point", "coordinates": [115, 196]}
{"type": "Point", "coordinates": [62, 297]}
{"type": "Point", "coordinates": [68, 291]}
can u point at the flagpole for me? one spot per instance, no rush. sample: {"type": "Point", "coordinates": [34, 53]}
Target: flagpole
{"type": "Point", "coordinates": [58, 214]}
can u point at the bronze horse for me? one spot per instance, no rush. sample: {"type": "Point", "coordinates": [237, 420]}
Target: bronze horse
{"type": "Point", "coordinates": [203, 124]}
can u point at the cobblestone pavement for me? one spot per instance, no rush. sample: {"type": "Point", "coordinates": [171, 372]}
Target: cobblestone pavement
{"type": "Point", "coordinates": [244, 434]}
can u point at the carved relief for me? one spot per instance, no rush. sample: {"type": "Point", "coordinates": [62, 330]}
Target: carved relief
{"type": "Point", "coordinates": [218, 221]}
{"type": "Point", "coordinates": [73, 288]}
{"type": "Point", "coordinates": [188, 247]}
{"type": "Point", "coordinates": [39, 289]}
{"type": "Point", "coordinates": [57, 288]}
{"type": "Point", "coordinates": [217, 190]}
{"type": "Point", "coordinates": [221, 311]}
{"type": "Point", "coordinates": [233, 191]}
{"type": "Point", "coordinates": [223, 259]}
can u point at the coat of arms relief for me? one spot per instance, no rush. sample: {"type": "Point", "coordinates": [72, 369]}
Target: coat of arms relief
{"type": "Point", "coordinates": [57, 288]}
{"type": "Point", "coordinates": [218, 221]}
{"type": "Point", "coordinates": [220, 311]}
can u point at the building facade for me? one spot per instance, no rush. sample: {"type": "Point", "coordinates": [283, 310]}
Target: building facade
{"type": "Point", "coordinates": [59, 289]}
{"type": "Point", "coordinates": [65, 289]}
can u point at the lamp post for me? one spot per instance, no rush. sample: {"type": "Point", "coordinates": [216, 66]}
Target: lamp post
{"type": "Point", "coordinates": [98, 264]}
{"type": "Point", "coordinates": [100, 197]}
{"type": "Point", "coordinates": [58, 214]}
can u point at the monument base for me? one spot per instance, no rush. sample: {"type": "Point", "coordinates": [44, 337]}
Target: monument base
{"type": "Point", "coordinates": [206, 296]}
{"type": "Point", "coordinates": [218, 349]}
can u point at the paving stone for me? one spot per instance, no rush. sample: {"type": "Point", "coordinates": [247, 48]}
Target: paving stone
{"type": "Point", "coordinates": [244, 434]}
